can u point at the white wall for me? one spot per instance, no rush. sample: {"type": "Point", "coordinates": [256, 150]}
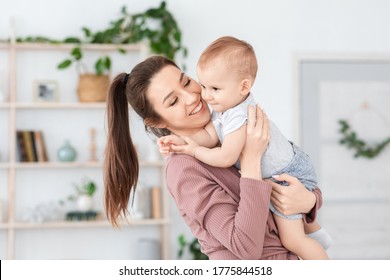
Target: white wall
{"type": "Point", "coordinates": [277, 29]}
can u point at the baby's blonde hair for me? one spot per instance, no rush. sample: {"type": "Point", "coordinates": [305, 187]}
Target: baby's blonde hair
{"type": "Point", "coordinates": [238, 55]}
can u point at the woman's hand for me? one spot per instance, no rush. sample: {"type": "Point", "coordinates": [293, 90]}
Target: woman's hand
{"type": "Point", "coordinates": [291, 199]}
{"type": "Point", "coordinates": [257, 139]}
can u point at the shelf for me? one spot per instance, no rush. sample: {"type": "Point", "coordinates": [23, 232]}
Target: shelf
{"type": "Point", "coordinates": [59, 105]}
{"type": "Point", "coordinates": [67, 47]}
{"type": "Point", "coordinates": [81, 224]}
{"type": "Point", "coordinates": [68, 165]}
{"type": "Point", "coordinates": [16, 107]}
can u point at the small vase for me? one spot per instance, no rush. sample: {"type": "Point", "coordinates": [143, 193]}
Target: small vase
{"type": "Point", "coordinates": [84, 203]}
{"type": "Point", "coordinates": [67, 152]}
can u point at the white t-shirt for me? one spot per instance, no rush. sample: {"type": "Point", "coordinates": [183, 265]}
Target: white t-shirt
{"type": "Point", "coordinates": [279, 152]}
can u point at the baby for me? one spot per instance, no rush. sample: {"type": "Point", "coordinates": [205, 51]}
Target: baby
{"type": "Point", "coordinates": [227, 70]}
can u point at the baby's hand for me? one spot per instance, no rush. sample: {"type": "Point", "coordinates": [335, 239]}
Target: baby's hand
{"type": "Point", "coordinates": [189, 147]}
{"type": "Point", "coordinates": [165, 143]}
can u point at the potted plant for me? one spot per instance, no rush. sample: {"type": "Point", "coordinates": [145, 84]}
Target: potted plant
{"type": "Point", "coordinates": [84, 195]}
{"type": "Point", "coordinates": [155, 25]}
{"type": "Point", "coordinates": [193, 248]}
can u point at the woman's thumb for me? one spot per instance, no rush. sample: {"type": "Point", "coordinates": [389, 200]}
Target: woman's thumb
{"type": "Point", "coordinates": [284, 177]}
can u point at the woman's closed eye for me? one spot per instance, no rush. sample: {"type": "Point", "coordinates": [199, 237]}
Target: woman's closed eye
{"type": "Point", "coordinates": [187, 83]}
{"type": "Point", "coordinates": [174, 101]}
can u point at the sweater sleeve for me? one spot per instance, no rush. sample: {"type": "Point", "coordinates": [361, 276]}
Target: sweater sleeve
{"type": "Point", "coordinates": [238, 223]}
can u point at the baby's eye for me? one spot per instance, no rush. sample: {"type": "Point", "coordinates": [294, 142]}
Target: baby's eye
{"type": "Point", "coordinates": [216, 89]}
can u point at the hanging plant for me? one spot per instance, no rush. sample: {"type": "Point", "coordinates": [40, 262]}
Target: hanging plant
{"type": "Point", "coordinates": [351, 140]}
{"type": "Point", "coordinates": [157, 26]}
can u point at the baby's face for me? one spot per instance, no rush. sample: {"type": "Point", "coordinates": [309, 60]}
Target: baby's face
{"type": "Point", "coordinates": [221, 87]}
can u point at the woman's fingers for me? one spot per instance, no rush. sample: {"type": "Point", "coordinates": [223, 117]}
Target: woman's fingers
{"type": "Point", "coordinates": [251, 119]}
{"type": "Point", "coordinates": [291, 199]}
{"type": "Point", "coordinates": [286, 178]}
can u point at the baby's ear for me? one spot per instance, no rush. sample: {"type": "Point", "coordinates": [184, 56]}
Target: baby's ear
{"type": "Point", "coordinates": [153, 123]}
{"type": "Point", "coordinates": [246, 86]}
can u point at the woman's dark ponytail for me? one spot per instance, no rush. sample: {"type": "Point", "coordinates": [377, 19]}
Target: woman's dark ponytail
{"type": "Point", "coordinates": [121, 167]}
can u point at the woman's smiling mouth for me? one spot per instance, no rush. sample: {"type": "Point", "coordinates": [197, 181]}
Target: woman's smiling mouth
{"type": "Point", "coordinates": [197, 109]}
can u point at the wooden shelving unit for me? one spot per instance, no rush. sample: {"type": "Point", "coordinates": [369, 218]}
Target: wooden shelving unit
{"type": "Point", "coordinates": [12, 166]}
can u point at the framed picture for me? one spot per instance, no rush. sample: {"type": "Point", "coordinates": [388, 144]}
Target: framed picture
{"type": "Point", "coordinates": [356, 89]}
{"type": "Point", "coordinates": [46, 91]}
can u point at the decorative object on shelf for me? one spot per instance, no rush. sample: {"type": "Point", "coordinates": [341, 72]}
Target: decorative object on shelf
{"type": "Point", "coordinates": [193, 248]}
{"type": "Point", "coordinates": [156, 202]}
{"type": "Point", "coordinates": [45, 91]}
{"type": "Point", "coordinates": [67, 153]}
{"type": "Point", "coordinates": [83, 216]}
{"type": "Point", "coordinates": [43, 212]}
{"type": "Point", "coordinates": [351, 140]}
{"type": "Point", "coordinates": [92, 145]}
{"type": "Point", "coordinates": [140, 208]}
{"type": "Point", "coordinates": [92, 88]}
{"type": "Point", "coordinates": [84, 195]}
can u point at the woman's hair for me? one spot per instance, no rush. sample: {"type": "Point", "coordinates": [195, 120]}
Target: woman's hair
{"type": "Point", "coordinates": [238, 55]}
{"type": "Point", "coordinates": [121, 167]}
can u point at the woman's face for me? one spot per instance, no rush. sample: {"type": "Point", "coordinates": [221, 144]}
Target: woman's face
{"type": "Point", "coordinates": [177, 99]}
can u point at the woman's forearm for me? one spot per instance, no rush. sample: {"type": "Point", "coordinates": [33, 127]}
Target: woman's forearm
{"type": "Point", "coordinates": [251, 167]}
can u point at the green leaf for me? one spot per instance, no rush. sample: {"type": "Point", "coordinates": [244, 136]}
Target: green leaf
{"type": "Point", "coordinates": [64, 64]}
{"type": "Point", "coordinates": [76, 53]}
{"type": "Point", "coordinates": [72, 40]}
{"type": "Point", "coordinates": [87, 32]}
{"type": "Point", "coordinates": [107, 63]}
{"type": "Point", "coordinates": [100, 66]}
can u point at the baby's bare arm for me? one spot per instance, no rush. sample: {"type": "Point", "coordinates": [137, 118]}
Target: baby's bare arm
{"type": "Point", "coordinates": [227, 154]}
{"type": "Point", "coordinates": [207, 137]}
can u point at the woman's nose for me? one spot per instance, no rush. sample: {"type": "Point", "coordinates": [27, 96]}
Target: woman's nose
{"type": "Point", "coordinates": [206, 95]}
{"type": "Point", "coordinates": [191, 97]}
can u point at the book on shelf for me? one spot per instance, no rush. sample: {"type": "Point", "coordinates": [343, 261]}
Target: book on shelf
{"type": "Point", "coordinates": [40, 146]}
{"type": "Point", "coordinates": [31, 146]}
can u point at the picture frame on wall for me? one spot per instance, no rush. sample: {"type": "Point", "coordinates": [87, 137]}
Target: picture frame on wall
{"type": "Point", "coordinates": [46, 91]}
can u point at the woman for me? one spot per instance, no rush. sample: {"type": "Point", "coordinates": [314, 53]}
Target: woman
{"type": "Point", "coordinates": [227, 211]}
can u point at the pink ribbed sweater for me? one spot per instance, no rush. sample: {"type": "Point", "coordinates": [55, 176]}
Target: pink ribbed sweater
{"type": "Point", "coordinates": [229, 215]}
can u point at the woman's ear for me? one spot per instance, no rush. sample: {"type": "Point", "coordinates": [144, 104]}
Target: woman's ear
{"type": "Point", "coordinates": [246, 86]}
{"type": "Point", "coordinates": [152, 123]}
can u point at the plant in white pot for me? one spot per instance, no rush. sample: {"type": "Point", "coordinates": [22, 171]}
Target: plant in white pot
{"type": "Point", "coordinates": [84, 195]}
